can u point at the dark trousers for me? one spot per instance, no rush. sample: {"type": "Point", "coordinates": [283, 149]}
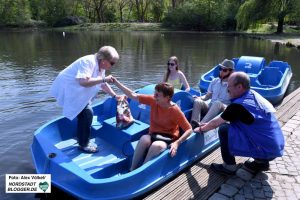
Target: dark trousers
{"type": "Point", "coordinates": [223, 136]}
{"type": "Point", "coordinates": [85, 119]}
{"type": "Point", "coordinates": [226, 156]}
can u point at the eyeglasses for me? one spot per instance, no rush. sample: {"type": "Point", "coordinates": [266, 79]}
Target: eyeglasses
{"type": "Point", "coordinates": [224, 70]}
{"type": "Point", "coordinates": [172, 64]}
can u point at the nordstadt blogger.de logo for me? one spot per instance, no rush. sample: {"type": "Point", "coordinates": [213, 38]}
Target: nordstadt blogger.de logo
{"type": "Point", "coordinates": [28, 183]}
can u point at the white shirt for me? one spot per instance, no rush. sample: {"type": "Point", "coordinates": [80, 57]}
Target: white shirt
{"type": "Point", "coordinates": [66, 88]}
{"type": "Point", "coordinates": [218, 88]}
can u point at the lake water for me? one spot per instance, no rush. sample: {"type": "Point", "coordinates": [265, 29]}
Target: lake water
{"type": "Point", "coordinates": [29, 62]}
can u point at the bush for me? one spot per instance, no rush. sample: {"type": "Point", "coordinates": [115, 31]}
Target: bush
{"type": "Point", "coordinates": [69, 21]}
{"type": "Point", "coordinates": [201, 16]}
{"type": "Point", "coordinates": [185, 17]}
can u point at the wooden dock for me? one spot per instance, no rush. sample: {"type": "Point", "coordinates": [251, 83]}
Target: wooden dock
{"type": "Point", "coordinates": [289, 106]}
{"type": "Point", "coordinates": [199, 181]}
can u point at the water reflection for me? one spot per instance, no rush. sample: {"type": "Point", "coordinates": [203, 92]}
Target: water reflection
{"type": "Point", "coordinates": [29, 61]}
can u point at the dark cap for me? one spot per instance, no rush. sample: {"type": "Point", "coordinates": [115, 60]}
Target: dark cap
{"type": "Point", "coordinates": [228, 64]}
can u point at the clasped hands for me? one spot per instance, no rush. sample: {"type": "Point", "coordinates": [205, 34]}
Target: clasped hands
{"type": "Point", "coordinates": [110, 79]}
{"type": "Point", "coordinates": [199, 129]}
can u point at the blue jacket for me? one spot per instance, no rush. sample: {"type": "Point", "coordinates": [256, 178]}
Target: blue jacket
{"type": "Point", "coordinates": [263, 139]}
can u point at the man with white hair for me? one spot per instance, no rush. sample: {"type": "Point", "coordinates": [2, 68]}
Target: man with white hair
{"type": "Point", "coordinates": [248, 128]}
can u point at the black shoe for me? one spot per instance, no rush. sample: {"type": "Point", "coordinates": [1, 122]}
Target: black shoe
{"type": "Point", "coordinates": [194, 124]}
{"type": "Point", "coordinates": [220, 169]}
{"type": "Point", "coordinates": [255, 166]}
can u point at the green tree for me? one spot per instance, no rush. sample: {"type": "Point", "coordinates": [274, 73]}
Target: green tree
{"type": "Point", "coordinates": [14, 12]}
{"type": "Point", "coordinates": [157, 10]}
{"type": "Point", "coordinates": [104, 10]}
{"type": "Point", "coordinates": [283, 9]}
{"type": "Point", "coordinates": [176, 3]}
{"type": "Point", "coordinates": [53, 10]}
{"type": "Point", "coordinates": [213, 13]}
{"type": "Point", "coordinates": [199, 15]}
{"type": "Point", "coordinates": [35, 9]}
{"type": "Point", "coordinates": [231, 8]}
{"type": "Point", "coordinates": [88, 10]}
{"type": "Point", "coordinates": [121, 5]}
{"type": "Point", "coordinates": [252, 12]}
{"type": "Point", "coordinates": [142, 7]}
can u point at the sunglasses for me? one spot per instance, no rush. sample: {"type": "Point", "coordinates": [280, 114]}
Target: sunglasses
{"type": "Point", "coordinates": [172, 64]}
{"type": "Point", "coordinates": [224, 70]}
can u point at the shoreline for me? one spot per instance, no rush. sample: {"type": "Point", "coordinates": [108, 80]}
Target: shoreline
{"type": "Point", "coordinates": [287, 39]}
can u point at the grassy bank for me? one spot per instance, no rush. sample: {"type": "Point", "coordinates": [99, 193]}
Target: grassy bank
{"type": "Point", "coordinates": [290, 37]}
{"type": "Point", "coordinates": [115, 27]}
{"type": "Point", "coordinates": [287, 39]}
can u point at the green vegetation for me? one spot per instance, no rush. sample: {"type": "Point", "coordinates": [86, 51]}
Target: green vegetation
{"type": "Point", "coordinates": [255, 12]}
{"type": "Point", "coordinates": [199, 15]}
{"type": "Point", "coordinates": [115, 27]}
{"type": "Point", "coordinates": [270, 28]}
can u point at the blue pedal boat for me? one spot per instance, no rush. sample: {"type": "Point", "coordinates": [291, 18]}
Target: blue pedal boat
{"type": "Point", "coordinates": [105, 175]}
{"type": "Point", "coordinates": [271, 81]}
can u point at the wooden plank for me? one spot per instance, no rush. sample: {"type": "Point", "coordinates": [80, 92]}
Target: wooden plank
{"type": "Point", "coordinates": [204, 183]}
{"type": "Point", "coordinates": [198, 181]}
{"type": "Point", "coordinates": [289, 106]}
{"type": "Point", "coordinates": [182, 179]}
{"type": "Point", "coordinates": [285, 118]}
{"type": "Point", "coordinates": [287, 98]}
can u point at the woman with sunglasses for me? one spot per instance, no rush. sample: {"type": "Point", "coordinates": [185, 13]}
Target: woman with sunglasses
{"type": "Point", "coordinates": [217, 92]}
{"type": "Point", "coordinates": [174, 76]}
{"type": "Point", "coordinates": [76, 85]}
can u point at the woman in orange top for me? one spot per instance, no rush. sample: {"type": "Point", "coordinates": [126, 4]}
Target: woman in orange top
{"type": "Point", "coordinates": [165, 120]}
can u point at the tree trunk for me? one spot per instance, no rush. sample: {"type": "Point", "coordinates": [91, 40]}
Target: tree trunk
{"type": "Point", "coordinates": [280, 23]}
{"type": "Point", "coordinates": [173, 4]}
{"type": "Point", "coordinates": [121, 15]}
{"type": "Point", "coordinates": [98, 16]}
{"type": "Point", "coordinates": [129, 13]}
{"type": "Point", "coordinates": [138, 12]}
{"type": "Point", "coordinates": [145, 10]}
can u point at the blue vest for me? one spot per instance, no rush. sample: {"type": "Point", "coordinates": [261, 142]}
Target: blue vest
{"type": "Point", "coordinates": [263, 139]}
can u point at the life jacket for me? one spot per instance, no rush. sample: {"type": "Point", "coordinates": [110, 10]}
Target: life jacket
{"type": "Point", "coordinates": [263, 139]}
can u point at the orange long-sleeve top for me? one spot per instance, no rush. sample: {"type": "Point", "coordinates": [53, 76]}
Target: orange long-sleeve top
{"type": "Point", "coordinates": [165, 120]}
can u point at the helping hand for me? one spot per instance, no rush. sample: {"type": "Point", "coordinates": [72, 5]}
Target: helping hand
{"type": "Point", "coordinates": [199, 129]}
{"type": "Point", "coordinates": [109, 79]}
{"type": "Point", "coordinates": [114, 79]}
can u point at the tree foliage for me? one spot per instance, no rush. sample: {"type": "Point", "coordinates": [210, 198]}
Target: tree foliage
{"type": "Point", "coordinates": [252, 12]}
{"type": "Point", "coordinates": [202, 15]}
{"type": "Point", "coordinates": [184, 14]}
{"type": "Point", "coordinates": [157, 10]}
{"type": "Point", "coordinates": [184, 17]}
{"type": "Point", "coordinates": [14, 12]}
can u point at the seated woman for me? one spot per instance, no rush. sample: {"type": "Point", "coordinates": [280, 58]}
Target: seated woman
{"type": "Point", "coordinates": [164, 130]}
{"type": "Point", "coordinates": [174, 76]}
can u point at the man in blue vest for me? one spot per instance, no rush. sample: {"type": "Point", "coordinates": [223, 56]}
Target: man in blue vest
{"type": "Point", "coordinates": [248, 128]}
